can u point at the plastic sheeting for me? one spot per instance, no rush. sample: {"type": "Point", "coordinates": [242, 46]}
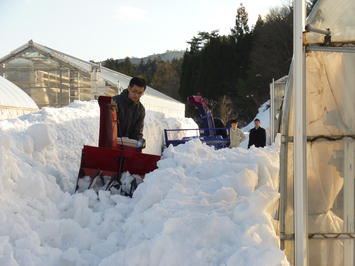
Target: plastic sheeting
{"type": "Point", "coordinates": [338, 16]}
{"type": "Point", "coordinates": [330, 129]}
{"type": "Point", "coordinates": [13, 96]}
{"type": "Point", "coordinates": [14, 101]}
{"type": "Point", "coordinates": [330, 94]}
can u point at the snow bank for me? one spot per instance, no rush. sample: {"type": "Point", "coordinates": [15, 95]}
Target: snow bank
{"type": "Point", "coordinates": [201, 207]}
{"type": "Point", "coordinates": [154, 125]}
{"type": "Point", "coordinates": [263, 115]}
{"type": "Point", "coordinates": [52, 139]}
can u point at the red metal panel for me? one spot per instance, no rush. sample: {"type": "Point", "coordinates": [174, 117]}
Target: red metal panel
{"type": "Point", "coordinates": [96, 159]}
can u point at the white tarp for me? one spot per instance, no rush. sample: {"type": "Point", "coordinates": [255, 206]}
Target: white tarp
{"type": "Point", "coordinates": [337, 16]}
{"type": "Point", "coordinates": [14, 101]}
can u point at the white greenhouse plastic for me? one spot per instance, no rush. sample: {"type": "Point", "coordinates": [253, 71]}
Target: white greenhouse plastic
{"type": "Point", "coordinates": [329, 153]}
{"type": "Point", "coordinates": [14, 101]}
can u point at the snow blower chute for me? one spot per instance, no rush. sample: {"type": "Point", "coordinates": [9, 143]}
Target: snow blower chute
{"type": "Point", "coordinates": [101, 167]}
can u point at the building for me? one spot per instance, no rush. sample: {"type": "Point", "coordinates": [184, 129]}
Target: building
{"type": "Point", "coordinates": [14, 101]}
{"type": "Point", "coordinates": [317, 156]}
{"type": "Point", "coordinates": [55, 79]}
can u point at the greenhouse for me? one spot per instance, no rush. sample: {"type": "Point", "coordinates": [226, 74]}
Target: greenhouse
{"type": "Point", "coordinates": [55, 79]}
{"type": "Point", "coordinates": [318, 136]}
{"type": "Point", "coordinates": [14, 102]}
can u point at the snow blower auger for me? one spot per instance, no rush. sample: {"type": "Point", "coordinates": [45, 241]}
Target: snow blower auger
{"type": "Point", "coordinates": [104, 167]}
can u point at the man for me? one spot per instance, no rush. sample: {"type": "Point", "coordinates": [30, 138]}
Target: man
{"type": "Point", "coordinates": [236, 135]}
{"type": "Point", "coordinates": [257, 135]}
{"type": "Point", "coordinates": [131, 112]}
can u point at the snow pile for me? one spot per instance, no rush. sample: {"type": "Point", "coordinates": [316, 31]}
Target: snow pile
{"type": "Point", "coordinates": [154, 125]}
{"type": "Point", "coordinates": [201, 207]}
{"type": "Point", "coordinates": [204, 207]}
{"type": "Point", "coordinates": [52, 138]}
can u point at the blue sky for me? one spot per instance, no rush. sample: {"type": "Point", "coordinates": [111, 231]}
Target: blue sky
{"type": "Point", "coordinates": [100, 29]}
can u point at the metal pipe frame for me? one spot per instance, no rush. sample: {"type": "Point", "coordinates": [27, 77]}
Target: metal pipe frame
{"type": "Point", "coordinates": [284, 154]}
{"type": "Point", "coordinates": [300, 164]}
{"type": "Point", "coordinates": [310, 28]}
{"type": "Point", "coordinates": [331, 49]}
{"type": "Point", "coordinates": [323, 236]}
{"type": "Point", "coordinates": [272, 111]}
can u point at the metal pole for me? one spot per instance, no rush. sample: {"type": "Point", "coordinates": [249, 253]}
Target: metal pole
{"type": "Point", "coordinates": [300, 166]}
{"type": "Point", "coordinates": [331, 49]}
{"type": "Point", "coordinates": [78, 85]}
{"type": "Point", "coordinates": [284, 163]}
{"type": "Point", "coordinates": [349, 200]}
{"type": "Point", "coordinates": [60, 87]}
{"type": "Point", "coordinates": [272, 113]}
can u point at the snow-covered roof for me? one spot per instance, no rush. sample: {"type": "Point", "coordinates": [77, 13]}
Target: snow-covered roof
{"type": "Point", "coordinates": [13, 96]}
{"type": "Point", "coordinates": [113, 77]}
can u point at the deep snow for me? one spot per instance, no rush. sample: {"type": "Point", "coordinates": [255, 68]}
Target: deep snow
{"type": "Point", "coordinates": [201, 207]}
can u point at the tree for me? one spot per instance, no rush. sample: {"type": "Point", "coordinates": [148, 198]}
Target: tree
{"type": "Point", "coordinates": [167, 78]}
{"type": "Point", "coordinates": [241, 23]}
{"type": "Point", "coordinates": [271, 53]}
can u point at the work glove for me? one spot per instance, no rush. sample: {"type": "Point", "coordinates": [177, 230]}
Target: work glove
{"type": "Point", "coordinates": [141, 143]}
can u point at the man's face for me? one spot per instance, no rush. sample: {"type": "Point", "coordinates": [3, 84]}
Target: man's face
{"type": "Point", "coordinates": [135, 92]}
{"type": "Point", "coordinates": [257, 124]}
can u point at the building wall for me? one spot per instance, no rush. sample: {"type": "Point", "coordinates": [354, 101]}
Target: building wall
{"type": "Point", "coordinates": [169, 108]}
{"type": "Point", "coordinates": [6, 113]}
{"type": "Point", "coordinates": [50, 82]}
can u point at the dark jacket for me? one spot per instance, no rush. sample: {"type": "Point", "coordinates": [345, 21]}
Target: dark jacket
{"type": "Point", "coordinates": [130, 117]}
{"type": "Point", "coordinates": [257, 137]}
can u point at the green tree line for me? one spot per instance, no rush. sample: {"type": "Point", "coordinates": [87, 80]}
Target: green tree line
{"type": "Point", "coordinates": [231, 71]}
{"type": "Point", "coordinates": [161, 75]}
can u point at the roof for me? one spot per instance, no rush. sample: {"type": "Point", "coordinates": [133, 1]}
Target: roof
{"type": "Point", "coordinates": [13, 96]}
{"type": "Point", "coordinates": [337, 16]}
{"type": "Point", "coordinates": [113, 77]}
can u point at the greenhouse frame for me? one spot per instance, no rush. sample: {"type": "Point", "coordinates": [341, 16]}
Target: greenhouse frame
{"type": "Point", "coordinates": [277, 94]}
{"type": "Point", "coordinates": [55, 79]}
{"type": "Point", "coordinates": [318, 138]}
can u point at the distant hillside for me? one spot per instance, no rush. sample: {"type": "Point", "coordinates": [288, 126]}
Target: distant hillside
{"type": "Point", "coordinates": [168, 56]}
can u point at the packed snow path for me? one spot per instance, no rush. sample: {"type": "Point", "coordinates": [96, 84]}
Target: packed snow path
{"type": "Point", "coordinates": [201, 207]}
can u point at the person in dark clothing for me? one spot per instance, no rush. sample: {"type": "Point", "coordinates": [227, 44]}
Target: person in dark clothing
{"type": "Point", "coordinates": [257, 135]}
{"type": "Point", "coordinates": [130, 111]}
{"type": "Point", "coordinates": [218, 123]}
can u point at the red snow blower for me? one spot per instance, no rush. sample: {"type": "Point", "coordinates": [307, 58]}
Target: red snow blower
{"type": "Point", "coordinates": [102, 167]}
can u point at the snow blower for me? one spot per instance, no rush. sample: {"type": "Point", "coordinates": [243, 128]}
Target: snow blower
{"type": "Point", "coordinates": [207, 132]}
{"type": "Point", "coordinates": [102, 167]}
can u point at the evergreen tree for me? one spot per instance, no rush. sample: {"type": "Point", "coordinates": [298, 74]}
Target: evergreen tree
{"type": "Point", "coordinates": [231, 72]}
{"type": "Point", "coordinates": [241, 23]}
{"type": "Point", "coordinates": [271, 52]}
